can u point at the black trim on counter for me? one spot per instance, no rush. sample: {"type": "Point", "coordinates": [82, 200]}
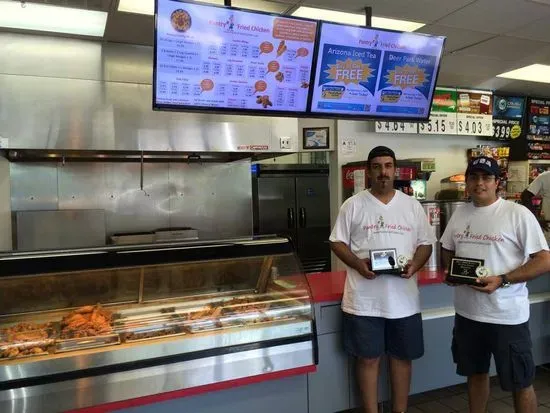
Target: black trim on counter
{"type": "Point", "coordinates": [134, 256]}
{"type": "Point", "coordinates": [141, 364]}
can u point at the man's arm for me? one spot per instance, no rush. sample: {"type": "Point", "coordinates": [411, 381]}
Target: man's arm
{"type": "Point", "coordinates": [421, 255]}
{"type": "Point", "coordinates": [537, 265]}
{"type": "Point", "coordinates": [446, 257]}
{"type": "Point", "coordinates": [345, 254]}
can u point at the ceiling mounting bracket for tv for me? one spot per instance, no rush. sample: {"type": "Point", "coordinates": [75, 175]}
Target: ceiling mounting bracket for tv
{"type": "Point", "coordinates": [368, 16]}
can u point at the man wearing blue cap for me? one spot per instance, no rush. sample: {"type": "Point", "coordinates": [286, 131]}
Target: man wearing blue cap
{"type": "Point", "coordinates": [492, 315]}
{"type": "Point", "coordinates": [382, 311]}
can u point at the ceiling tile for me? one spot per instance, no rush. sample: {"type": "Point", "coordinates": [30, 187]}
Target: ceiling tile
{"type": "Point", "coordinates": [497, 17]}
{"type": "Point", "coordinates": [130, 28]}
{"type": "Point", "coordinates": [456, 38]}
{"type": "Point", "coordinates": [474, 66]}
{"type": "Point", "coordinates": [506, 48]}
{"type": "Point", "coordinates": [268, 6]}
{"type": "Point", "coordinates": [424, 11]}
{"type": "Point", "coordinates": [539, 30]}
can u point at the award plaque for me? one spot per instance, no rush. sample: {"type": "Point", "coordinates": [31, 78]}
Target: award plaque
{"type": "Point", "coordinates": [466, 270]}
{"type": "Point", "coordinates": [386, 261]}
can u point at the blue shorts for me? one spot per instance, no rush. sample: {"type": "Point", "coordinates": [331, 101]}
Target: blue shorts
{"type": "Point", "coordinates": [370, 337]}
{"type": "Point", "coordinates": [474, 343]}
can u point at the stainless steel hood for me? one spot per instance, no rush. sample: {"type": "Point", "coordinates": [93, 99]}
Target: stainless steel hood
{"type": "Point", "coordinates": [49, 155]}
{"type": "Point", "coordinates": [64, 94]}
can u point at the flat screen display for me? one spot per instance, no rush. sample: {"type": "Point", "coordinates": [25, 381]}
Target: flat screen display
{"type": "Point", "coordinates": [372, 73]}
{"type": "Point", "coordinates": [225, 59]}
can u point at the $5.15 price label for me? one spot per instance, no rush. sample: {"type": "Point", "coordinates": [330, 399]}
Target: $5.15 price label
{"type": "Point", "coordinates": [439, 124]}
{"type": "Point", "coordinates": [396, 127]}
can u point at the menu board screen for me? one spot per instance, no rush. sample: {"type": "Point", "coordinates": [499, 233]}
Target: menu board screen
{"type": "Point", "coordinates": [230, 60]}
{"type": "Point", "coordinates": [373, 73]}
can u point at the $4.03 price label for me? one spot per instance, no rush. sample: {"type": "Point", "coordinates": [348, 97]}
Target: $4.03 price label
{"type": "Point", "coordinates": [475, 127]}
{"type": "Point", "coordinates": [396, 127]}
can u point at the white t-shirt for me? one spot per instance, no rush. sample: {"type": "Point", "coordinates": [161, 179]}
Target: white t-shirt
{"type": "Point", "coordinates": [503, 234]}
{"type": "Point", "coordinates": [365, 223]}
{"type": "Point", "coordinates": [541, 186]}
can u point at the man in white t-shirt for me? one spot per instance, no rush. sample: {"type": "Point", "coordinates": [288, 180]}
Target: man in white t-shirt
{"type": "Point", "coordinates": [540, 186]}
{"type": "Point", "coordinates": [382, 311]}
{"type": "Point", "coordinates": [492, 315]}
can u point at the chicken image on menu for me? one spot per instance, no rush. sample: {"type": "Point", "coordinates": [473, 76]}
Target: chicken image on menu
{"type": "Point", "coordinates": [405, 83]}
{"type": "Point", "coordinates": [223, 58]}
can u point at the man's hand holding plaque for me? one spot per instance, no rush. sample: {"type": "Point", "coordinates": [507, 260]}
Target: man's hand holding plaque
{"type": "Point", "coordinates": [386, 261]}
{"type": "Point", "coordinates": [470, 271]}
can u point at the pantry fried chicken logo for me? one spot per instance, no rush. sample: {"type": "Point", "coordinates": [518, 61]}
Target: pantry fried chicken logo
{"type": "Point", "coordinates": [472, 237]}
{"type": "Point", "coordinates": [349, 71]}
{"type": "Point", "coordinates": [406, 76]}
{"type": "Point", "coordinates": [382, 226]}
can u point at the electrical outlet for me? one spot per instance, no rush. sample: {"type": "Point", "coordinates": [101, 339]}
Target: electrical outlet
{"type": "Point", "coordinates": [285, 142]}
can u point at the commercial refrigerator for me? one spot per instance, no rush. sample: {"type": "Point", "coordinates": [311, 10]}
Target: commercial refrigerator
{"type": "Point", "coordinates": [294, 201]}
{"type": "Point", "coordinates": [88, 327]}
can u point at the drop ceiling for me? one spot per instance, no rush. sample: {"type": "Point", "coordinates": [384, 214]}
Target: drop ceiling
{"type": "Point", "coordinates": [485, 37]}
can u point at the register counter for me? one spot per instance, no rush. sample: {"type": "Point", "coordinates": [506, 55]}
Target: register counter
{"type": "Point", "coordinates": [433, 371]}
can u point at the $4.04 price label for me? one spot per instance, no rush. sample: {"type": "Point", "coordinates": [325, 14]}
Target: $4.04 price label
{"type": "Point", "coordinates": [396, 127]}
{"type": "Point", "coordinates": [439, 124]}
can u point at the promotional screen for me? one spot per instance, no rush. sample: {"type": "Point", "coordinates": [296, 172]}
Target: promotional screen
{"type": "Point", "coordinates": [375, 73]}
{"type": "Point", "coordinates": [228, 59]}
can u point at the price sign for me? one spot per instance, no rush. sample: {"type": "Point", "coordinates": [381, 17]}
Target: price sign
{"type": "Point", "coordinates": [475, 127]}
{"type": "Point", "coordinates": [508, 112]}
{"type": "Point", "coordinates": [475, 112]}
{"type": "Point", "coordinates": [443, 115]}
{"type": "Point", "coordinates": [396, 127]}
{"type": "Point", "coordinates": [440, 124]}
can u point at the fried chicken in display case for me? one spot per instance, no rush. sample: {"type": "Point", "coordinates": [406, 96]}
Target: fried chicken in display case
{"type": "Point", "coordinates": [140, 305]}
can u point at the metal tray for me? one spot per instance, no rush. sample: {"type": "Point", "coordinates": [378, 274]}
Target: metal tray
{"type": "Point", "coordinates": [74, 344]}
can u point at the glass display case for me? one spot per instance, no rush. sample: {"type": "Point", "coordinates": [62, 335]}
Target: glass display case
{"type": "Point", "coordinates": [125, 322]}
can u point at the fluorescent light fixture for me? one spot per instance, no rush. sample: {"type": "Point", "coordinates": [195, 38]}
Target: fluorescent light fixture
{"type": "Point", "coordinates": [148, 6]}
{"type": "Point", "coordinates": [356, 19]}
{"type": "Point", "coordinates": [47, 18]}
{"type": "Point", "coordinates": [533, 73]}
{"type": "Point", "coordinates": [137, 6]}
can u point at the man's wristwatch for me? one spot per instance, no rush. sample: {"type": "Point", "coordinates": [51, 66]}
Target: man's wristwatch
{"type": "Point", "coordinates": [505, 282]}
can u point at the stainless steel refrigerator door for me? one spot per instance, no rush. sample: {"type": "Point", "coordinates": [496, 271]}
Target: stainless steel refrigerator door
{"type": "Point", "coordinates": [313, 222]}
{"type": "Point", "coordinates": [277, 206]}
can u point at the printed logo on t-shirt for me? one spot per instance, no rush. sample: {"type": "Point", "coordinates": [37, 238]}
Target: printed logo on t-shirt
{"type": "Point", "coordinates": [381, 227]}
{"type": "Point", "coordinates": [467, 236]}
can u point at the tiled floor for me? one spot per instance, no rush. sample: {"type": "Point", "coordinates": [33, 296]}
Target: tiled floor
{"type": "Point", "coordinates": [454, 399]}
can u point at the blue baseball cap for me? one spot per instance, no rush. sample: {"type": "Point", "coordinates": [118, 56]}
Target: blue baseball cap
{"type": "Point", "coordinates": [484, 164]}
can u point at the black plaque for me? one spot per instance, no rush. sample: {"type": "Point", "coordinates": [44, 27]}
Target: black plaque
{"type": "Point", "coordinates": [463, 270]}
{"type": "Point", "coordinates": [385, 261]}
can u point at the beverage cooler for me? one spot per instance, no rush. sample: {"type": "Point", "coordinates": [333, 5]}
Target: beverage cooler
{"type": "Point", "coordinates": [85, 327]}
